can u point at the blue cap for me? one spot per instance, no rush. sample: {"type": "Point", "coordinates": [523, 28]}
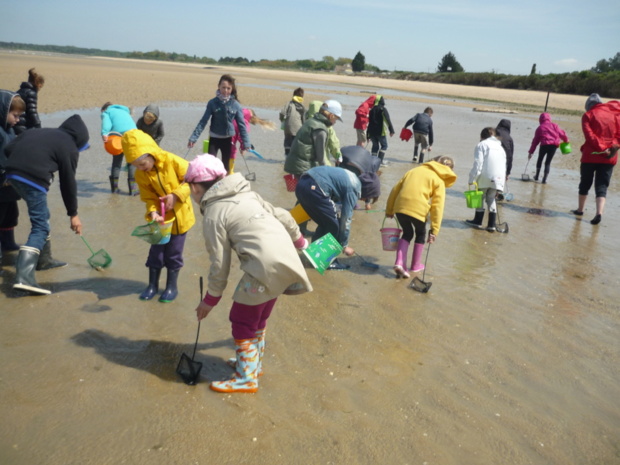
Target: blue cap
{"type": "Point", "coordinates": [86, 147]}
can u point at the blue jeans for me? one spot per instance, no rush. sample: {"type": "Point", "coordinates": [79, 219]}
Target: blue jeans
{"type": "Point", "coordinates": [319, 207]}
{"type": "Point", "coordinates": [37, 210]}
{"type": "Point", "coordinates": [378, 143]}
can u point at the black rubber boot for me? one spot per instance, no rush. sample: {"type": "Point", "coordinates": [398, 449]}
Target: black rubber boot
{"type": "Point", "coordinates": [171, 291]}
{"type": "Point", "coordinates": [46, 261]}
{"type": "Point", "coordinates": [477, 221]}
{"type": "Point", "coordinates": [491, 223]}
{"type": "Point", "coordinates": [7, 240]}
{"type": "Point", "coordinates": [25, 269]}
{"type": "Point", "coordinates": [381, 155]}
{"type": "Point", "coordinates": [537, 174]}
{"type": "Point", "coordinates": [114, 185]}
{"type": "Point", "coordinates": [415, 154]}
{"type": "Point", "coordinates": [421, 159]}
{"type": "Point", "coordinates": [153, 288]}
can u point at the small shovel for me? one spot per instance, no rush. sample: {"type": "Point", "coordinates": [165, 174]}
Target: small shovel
{"type": "Point", "coordinates": [249, 176]}
{"type": "Point", "coordinates": [188, 369]}
{"type": "Point", "coordinates": [418, 284]}
{"type": "Point", "coordinates": [99, 260]}
{"type": "Point", "coordinates": [525, 176]}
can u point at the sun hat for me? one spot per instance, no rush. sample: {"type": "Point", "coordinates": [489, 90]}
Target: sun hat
{"type": "Point", "coordinates": [205, 168]}
{"type": "Point", "coordinates": [334, 108]}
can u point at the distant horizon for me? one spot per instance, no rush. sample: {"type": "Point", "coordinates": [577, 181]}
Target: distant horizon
{"type": "Point", "coordinates": [394, 35]}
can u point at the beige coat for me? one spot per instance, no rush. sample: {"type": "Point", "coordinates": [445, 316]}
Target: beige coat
{"type": "Point", "coordinates": [238, 219]}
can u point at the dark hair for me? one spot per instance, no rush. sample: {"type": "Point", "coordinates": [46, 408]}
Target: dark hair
{"type": "Point", "coordinates": [17, 104]}
{"type": "Point", "coordinates": [486, 133]}
{"type": "Point", "coordinates": [105, 106]}
{"type": "Point", "coordinates": [231, 80]}
{"type": "Point", "coordinates": [35, 79]}
{"type": "Point", "coordinates": [207, 184]}
{"type": "Point", "coordinates": [299, 92]}
{"type": "Point", "coordinates": [428, 110]}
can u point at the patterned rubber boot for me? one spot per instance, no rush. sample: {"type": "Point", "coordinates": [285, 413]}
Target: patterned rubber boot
{"type": "Point", "coordinates": [260, 341]}
{"type": "Point", "coordinates": [401, 259]}
{"type": "Point", "coordinates": [133, 187]}
{"type": "Point", "coordinates": [114, 185]}
{"type": "Point", "coordinates": [245, 378]}
{"type": "Point", "coordinates": [416, 258]}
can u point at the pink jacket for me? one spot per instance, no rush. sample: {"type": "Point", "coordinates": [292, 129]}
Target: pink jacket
{"type": "Point", "coordinates": [236, 139]}
{"type": "Point", "coordinates": [547, 133]}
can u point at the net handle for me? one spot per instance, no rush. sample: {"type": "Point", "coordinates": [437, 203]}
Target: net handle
{"type": "Point", "coordinates": [198, 332]}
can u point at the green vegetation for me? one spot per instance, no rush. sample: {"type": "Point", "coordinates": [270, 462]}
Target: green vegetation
{"type": "Point", "coordinates": [603, 79]}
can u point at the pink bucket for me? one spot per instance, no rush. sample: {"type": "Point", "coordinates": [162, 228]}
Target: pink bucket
{"type": "Point", "coordinates": [389, 237]}
{"type": "Point", "coordinates": [291, 182]}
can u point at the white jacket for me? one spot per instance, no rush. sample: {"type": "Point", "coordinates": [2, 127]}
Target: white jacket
{"type": "Point", "coordinates": [489, 169]}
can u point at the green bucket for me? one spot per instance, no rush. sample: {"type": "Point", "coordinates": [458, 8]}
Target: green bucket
{"type": "Point", "coordinates": [474, 197]}
{"type": "Point", "coordinates": [323, 251]}
{"type": "Point", "coordinates": [565, 148]}
{"type": "Point", "coordinates": [205, 146]}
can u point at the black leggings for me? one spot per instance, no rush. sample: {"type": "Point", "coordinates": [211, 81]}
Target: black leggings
{"type": "Point", "coordinates": [549, 152]}
{"type": "Point", "coordinates": [410, 225]}
{"type": "Point", "coordinates": [224, 145]}
{"type": "Point", "coordinates": [597, 173]}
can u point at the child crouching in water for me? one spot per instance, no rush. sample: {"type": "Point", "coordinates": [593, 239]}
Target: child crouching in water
{"type": "Point", "coordinates": [264, 238]}
{"type": "Point", "coordinates": [420, 191]}
{"type": "Point", "coordinates": [160, 177]}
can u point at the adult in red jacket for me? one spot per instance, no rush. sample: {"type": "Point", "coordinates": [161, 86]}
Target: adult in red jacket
{"type": "Point", "coordinates": [361, 119]}
{"type": "Point", "coordinates": [599, 153]}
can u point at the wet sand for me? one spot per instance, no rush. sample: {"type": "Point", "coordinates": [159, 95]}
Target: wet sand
{"type": "Point", "coordinates": [510, 358]}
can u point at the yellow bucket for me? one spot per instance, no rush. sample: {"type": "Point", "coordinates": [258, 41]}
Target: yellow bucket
{"type": "Point", "coordinates": [299, 214]}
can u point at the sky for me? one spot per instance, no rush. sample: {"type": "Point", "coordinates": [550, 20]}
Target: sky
{"type": "Point", "coordinates": [406, 35]}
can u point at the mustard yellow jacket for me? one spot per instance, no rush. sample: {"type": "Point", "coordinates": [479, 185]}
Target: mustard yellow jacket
{"type": "Point", "coordinates": [165, 178]}
{"type": "Point", "coordinates": [420, 191]}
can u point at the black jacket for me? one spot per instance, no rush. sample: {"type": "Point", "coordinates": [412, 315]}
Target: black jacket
{"type": "Point", "coordinates": [423, 124]}
{"type": "Point", "coordinates": [30, 119]}
{"type": "Point", "coordinates": [376, 118]}
{"type": "Point", "coordinates": [37, 154]}
{"type": "Point", "coordinates": [503, 134]}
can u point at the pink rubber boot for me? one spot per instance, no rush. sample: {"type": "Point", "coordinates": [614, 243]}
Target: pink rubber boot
{"type": "Point", "coordinates": [416, 258]}
{"type": "Point", "coordinates": [400, 264]}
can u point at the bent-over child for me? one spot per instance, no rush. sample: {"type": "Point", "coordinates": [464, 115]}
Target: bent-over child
{"type": "Point", "coordinates": [264, 238]}
{"type": "Point", "coordinates": [548, 135]}
{"type": "Point", "coordinates": [117, 119]}
{"type": "Point", "coordinates": [422, 190]}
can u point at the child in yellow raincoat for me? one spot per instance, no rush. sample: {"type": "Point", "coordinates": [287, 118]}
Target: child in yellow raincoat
{"type": "Point", "coordinates": [160, 178]}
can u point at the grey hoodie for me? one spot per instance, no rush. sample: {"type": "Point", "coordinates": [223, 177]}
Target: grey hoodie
{"type": "Point", "coordinates": [593, 99]}
{"type": "Point", "coordinates": [156, 128]}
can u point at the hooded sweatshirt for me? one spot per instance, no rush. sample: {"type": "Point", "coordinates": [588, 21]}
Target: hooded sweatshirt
{"type": "Point", "coordinates": [116, 118]}
{"type": "Point", "coordinates": [165, 178]}
{"type": "Point", "coordinates": [236, 219]}
{"type": "Point", "coordinates": [420, 191]}
{"type": "Point", "coordinates": [503, 134]}
{"type": "Point", "coordinates": [548, 133]}
{"type": "Point", "coordinates": [7, 134]}
{"type": "Point", "coordinates": [37, 154]}
{"type": "Point", "coordinates": [379, 117]}
{"type": "Point", "coordinates": [156, 128]}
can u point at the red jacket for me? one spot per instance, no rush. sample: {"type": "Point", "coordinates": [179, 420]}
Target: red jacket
{"type": "Point", "coordinates": [601, 128]}
{"type": "Point", "coordinates": [361, 114]}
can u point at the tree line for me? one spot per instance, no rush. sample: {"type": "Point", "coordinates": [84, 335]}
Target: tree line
{"type": "Point", "coordinates": [604, 78]}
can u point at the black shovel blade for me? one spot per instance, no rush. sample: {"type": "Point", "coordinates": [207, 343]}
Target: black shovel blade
{"type": "Point", "coordinates": [525, 177]}
{"type": "Point", "coordinates": [502, 228]}
{"type": "Point", "coordinates": [418, 285]}
{"type": "Point", "coordinates": [189, 370]}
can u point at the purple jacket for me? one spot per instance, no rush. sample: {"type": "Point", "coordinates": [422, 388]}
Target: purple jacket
{"type": "Point", "coordinates": [547, 133]}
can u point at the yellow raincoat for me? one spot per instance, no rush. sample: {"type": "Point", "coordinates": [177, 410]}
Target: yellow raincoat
{"type": "Point", "coordinates": [165, 178]}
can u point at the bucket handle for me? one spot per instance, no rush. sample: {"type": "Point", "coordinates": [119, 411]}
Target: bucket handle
{"type": "Point", "coordinates": [395, 219]}
{"type": "Point", "coordinates": [473, 184]}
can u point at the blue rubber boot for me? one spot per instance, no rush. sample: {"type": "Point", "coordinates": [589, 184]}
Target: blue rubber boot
{"type": "Point", "coordinates": [171, 291]}
{"type": "Point", "coordinates": [153, 288]}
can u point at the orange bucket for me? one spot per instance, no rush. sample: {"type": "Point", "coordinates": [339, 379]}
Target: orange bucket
{"type": "Point", "coordinates": [113, 145]}
{"type": "Point", "coordinates": [299, 214]}
{"type": "Point", "coordinates": [291, 182]}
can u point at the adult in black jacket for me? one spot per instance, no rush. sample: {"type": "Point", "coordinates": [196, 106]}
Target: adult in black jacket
{"type": "Point", "coordinates": [33, 158]}
{"type": "Point", "coordinates": [503, 134]}
{"type": "Point", "coordinates": [29, 92]}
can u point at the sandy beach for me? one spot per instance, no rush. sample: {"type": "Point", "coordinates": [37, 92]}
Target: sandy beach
{"type": "Point", "coordinates": [511, 358]}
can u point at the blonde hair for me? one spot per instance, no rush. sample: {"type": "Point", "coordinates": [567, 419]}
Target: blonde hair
{"type": "Point", "coordinates": [444, 160]}
{"type": "Point", "coordinates": [254, 120]}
